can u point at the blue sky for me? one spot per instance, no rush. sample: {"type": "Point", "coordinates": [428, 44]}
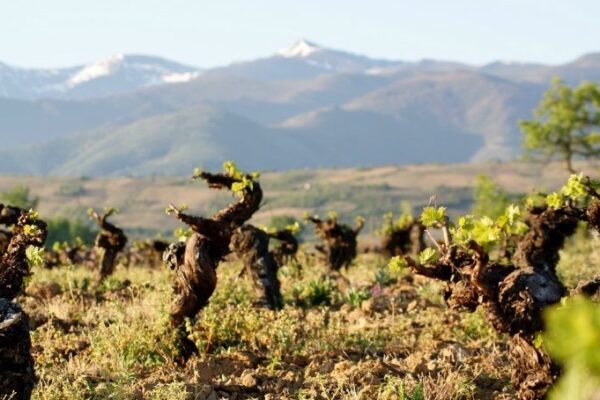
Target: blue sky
{"type": "Point", "coordinates": [205, 33]}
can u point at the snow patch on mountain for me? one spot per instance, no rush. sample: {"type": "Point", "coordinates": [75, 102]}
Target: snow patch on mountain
{"type": "Point", "coordinates": [96, 70]}
{"type": "Point", "coordinates": [301, 49]}
{"type": "Point", "coordinates": [380, 71]}
{"type": "Point", "coordinates": [112, 75]}
{"type": "Point", "coordinates": [180, 77]}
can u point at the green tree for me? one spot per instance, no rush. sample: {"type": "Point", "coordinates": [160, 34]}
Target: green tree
{"type": "Point", "coordinates": [565, 123]}
{"type": "Point", "coordinates": [489, 198]}
{"type": "Point", "coordinates": [62, 229]}
{"type": "Point", "coordinates": [19, 196]}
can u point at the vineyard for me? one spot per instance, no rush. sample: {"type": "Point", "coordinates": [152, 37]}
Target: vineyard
{"type": "Point", "coordinates": [439, 303]}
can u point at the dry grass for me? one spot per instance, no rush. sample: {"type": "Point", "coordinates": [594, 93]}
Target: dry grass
{"type": "Point", "coordinates": [111, 342]}
{"type": "Point", "coordinates": [396, 340]}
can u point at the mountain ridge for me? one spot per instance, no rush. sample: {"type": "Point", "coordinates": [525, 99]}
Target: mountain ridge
{"type": "Point", "coordinates": [117, 74]}
{"type": "Point", "coordinates": [338, 109]}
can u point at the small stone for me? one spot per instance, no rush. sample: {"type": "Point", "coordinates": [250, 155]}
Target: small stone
{"type": "Point", "coordinates": [368, 305]}
{"type": "Point", "coordinates": [455, 353]}
{"type": "Point", "coordinates": [326, 367]}
{"type": "Point", "coordinates": [412, 306]}
{"type": "Point", "coordinates": [248, 379]}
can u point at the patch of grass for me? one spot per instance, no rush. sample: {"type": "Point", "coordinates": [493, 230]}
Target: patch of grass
{"type": "Point", "coordinates": [314, 293]}
{"type": "Point", "coordinates": [355, 297]}
{"type": "Point", "coordinates": [113, 341]}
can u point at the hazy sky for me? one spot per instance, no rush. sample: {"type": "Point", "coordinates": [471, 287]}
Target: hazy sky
{"type": "Point", "coordinates": [205, 33]}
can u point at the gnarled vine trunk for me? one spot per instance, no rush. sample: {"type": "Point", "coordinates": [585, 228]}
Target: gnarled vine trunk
{"type": "Point", "coordinates": [288, 246]}
{"type": "Point", "coordinates": [69, 254]}
{"type": "Point", "coordinates": [148, 253]}
{"type": "Point", "coordinates": [110, 241]}
{"type": "Point", "coordinates": [8, 216]}
{"type": "Point", "coordinates": [4, 240]}
{"type": "Point", "coordinates": [340, 241]}
{"type": "Point", "coordinates": [17, 376]}
{"type": "Point", "coordinates": [515, 295]}
{"type": "Point", "coordinates": [406, 241]}
{"type": "Point", "coordinates": [196, 261]}
{"type": "Point", "coordinates": [252, 246]}
{"type": "Point", "coordinates": [14, 267]}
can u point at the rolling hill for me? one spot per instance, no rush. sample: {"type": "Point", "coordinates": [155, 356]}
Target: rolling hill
{"type": "Point", "coordinates": [164, 144]}
{"type": "Point", "coordinates": [174, 143]}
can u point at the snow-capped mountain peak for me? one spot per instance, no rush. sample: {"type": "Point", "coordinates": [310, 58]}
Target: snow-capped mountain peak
{"type": "Point", "coordinates": [301, 49]}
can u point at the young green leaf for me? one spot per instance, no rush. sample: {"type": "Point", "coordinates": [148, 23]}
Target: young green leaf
{"type": "Point", "coordinates": [512, 212]}
{"type": "Point", "coordinates": [486, 232]}
{"type": "Point", "coordinates": [294, 228]}
{"type": "Point", "coordinates": [33, 215]}
{"type": "Point", "coordinates": [555, 200]}
{"type": "Point", "coordinates": [433, 216]}
{"type": "Point", "coordinates": [31, 230]}
{"type": "Point", "coordinates": [182, 234]}
{"type": "Point", "coordinates": [231, 169]}
{"type": "Point", "coordinates": [397, 264]}
{"type": "Point", "coordinates": [35, 256]}
{"type": "Point", "coordinates": [428, 256]}
{"type": "Point", "coordinates": [575, 188]}
{"type": "Point", "coordinates": [535, 200]}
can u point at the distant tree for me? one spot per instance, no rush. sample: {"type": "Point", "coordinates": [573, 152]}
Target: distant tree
{"type": "Point", "coordinates": [565, 123]}
{"type": "Point", "coordinates": [489, 198]}
{"type": "Point", "coordinates": [61, 229]}
{"type": "Point", "coordinates": [19, 196]}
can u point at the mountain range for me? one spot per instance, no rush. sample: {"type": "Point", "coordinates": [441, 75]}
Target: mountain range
{"type": "Point", "coordinates": [303, 106]}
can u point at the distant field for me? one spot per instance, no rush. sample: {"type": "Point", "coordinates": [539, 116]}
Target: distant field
{"type": "Point", "coordinates": [369, 192]}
